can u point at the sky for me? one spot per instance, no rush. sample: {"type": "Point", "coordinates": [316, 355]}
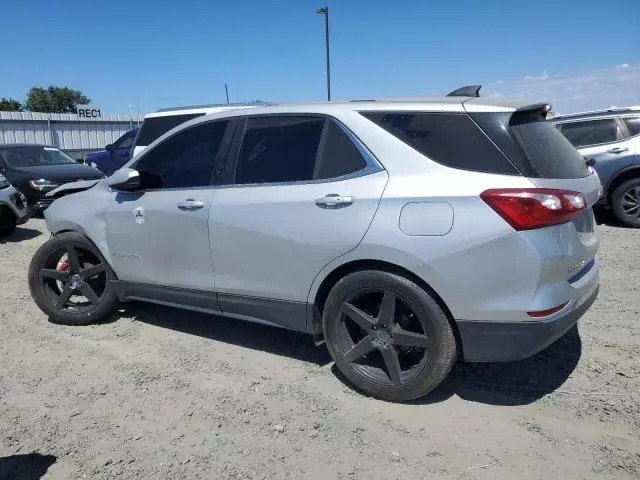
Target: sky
{"type": "Point", "coordinates": [576, 54]}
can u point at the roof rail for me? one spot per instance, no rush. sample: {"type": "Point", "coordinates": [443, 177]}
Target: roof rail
{"type": "Point", "coordinates": [213, 105]}
{"type": "Point", "coordinates": [466, 91]}
{"type": "Point", "coordinates": [603, 110]}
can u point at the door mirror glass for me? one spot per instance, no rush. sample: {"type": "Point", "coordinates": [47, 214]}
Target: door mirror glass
{"type": "Point", "coordinates": [124, 179]}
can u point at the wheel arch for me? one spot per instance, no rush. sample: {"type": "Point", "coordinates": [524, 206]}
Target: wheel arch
{"type": "Point", "coordinates": [619, 178]}
{"type": "Point", "coordinates": [67, 227]}
{"type": "Point", "coordinates": [341, 271]}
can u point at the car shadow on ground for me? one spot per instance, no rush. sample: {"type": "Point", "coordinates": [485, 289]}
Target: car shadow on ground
{"type": "Point", "coordinates": [604, 216]}
{"type": "Point", "coordinates": [20, 234]}
{"type": "Point", "coordinates": [245, 334]}
{"type": "Point", "coordinates": [512, 383]}
{"type": "Point", "coordinates": [31, 466]}
{"type": "Point", "coordinates": [509, 383]}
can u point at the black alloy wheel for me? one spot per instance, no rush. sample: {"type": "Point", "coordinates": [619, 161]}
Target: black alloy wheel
{"type": "Point", "coordinates": [381, 337]}
{"type": "Point", "coordinates": [77, 282]}
{"type": "Point", "coordinates": [71, 282]}
{"type": "Point", "coordinates": [387, 335]}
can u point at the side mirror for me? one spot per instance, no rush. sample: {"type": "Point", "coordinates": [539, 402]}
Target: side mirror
{"type": "Point", "coordinates": [125, 179]}
{"type": "Point", "coordinates": [109, 147]}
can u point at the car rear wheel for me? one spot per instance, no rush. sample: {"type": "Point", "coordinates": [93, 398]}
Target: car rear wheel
{"type": "Point", "coordinates": [625, 203]}
{"type": "Point", "coordinates": [388, 336]}
{"type": "Point", "coordinates": [71, 282]}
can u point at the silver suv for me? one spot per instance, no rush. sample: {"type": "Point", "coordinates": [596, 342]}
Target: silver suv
{"type": "Point", "coordinates": [405, 234]}
{"type": "Point", "coordinates": [611, 140]}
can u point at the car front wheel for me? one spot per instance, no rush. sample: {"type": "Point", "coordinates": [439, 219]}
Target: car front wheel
{"type": "Point", "coordinates": [388, 336]}
{"type": "Point", "coordinates": [71, 282]}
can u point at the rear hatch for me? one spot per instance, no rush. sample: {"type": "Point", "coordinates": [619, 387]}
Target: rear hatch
{"type": "Point", "coordinates": [542, 154]}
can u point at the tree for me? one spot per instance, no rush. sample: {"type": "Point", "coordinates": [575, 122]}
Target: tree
{"type": "Point", "coordinates": [55, 100]}
{"type": "Point", "coordinates": [10, 105]}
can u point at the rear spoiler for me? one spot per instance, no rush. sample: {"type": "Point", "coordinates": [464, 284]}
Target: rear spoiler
{"type": "Point", "coordinates": [530, 112]}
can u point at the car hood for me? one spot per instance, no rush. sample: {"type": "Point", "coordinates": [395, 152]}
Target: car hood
{"type": "Point", "coordinates": [72, 187]}
{"type": "Point", "coordinates": [98, 154]}
{"type": "Point", "coordinates": [67, 171]}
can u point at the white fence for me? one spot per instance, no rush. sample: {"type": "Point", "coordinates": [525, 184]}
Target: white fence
{"type": "Point", "coordinates": [77, 136]}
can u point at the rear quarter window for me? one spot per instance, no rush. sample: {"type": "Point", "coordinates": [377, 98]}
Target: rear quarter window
{"type": "Point", "coordinates": [451, 139]}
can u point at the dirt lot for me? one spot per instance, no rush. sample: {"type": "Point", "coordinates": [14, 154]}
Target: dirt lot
{"type": "Point", "coordinates": [162, 394]}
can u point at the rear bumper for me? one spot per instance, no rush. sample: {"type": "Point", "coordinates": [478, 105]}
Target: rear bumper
{"type": "Point", "coordinates": [508, 341]}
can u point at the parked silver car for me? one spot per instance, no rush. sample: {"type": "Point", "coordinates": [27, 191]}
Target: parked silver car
{"type": "Point", "coordinates": [406, 234]}
{"type": "Point", "coordinates": [13, 208]}
{"type": "Point", "coordinates": [612, 139]}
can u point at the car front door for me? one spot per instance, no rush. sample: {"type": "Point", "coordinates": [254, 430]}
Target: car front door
{"type": "Point", "coordinates": [603, 140]}
{"type": "Point", "coordinates": [159, 235]}
{"type": "Point", "coordinates": [305, 193]}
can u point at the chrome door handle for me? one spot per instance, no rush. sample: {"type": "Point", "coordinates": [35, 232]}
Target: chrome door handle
{"type": "Point", "coordinates": [333, 200]}
{"type": "Point", "coordinates": [618, 150]}
{"type": "Point", "coordinates": [190, 204]}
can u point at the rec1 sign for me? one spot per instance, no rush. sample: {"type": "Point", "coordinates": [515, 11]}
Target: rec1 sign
{"type": "Point", "coordinates": [88, 111]}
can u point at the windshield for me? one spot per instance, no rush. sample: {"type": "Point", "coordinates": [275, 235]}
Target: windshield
{"type": "Point", "coordinates": [35, 156]}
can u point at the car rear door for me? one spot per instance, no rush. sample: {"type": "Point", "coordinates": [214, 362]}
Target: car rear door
{"type": "Point", "coordinates": [305, 191]}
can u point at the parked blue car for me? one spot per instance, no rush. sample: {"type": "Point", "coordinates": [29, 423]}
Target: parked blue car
{"type": "Point", "coordinates": [114, 155]}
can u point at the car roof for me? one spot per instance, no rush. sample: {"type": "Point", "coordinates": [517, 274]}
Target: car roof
{"type": "Point", "coordinates": [434, 104]}
{"type": "Point", "coordinates": [605, 113]}
{"type": "Point", "coordinates": [206, 109]}
{"type": "Point", "coordinates": [448, 103]}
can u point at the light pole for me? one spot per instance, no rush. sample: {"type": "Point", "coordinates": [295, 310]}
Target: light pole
{"type": "Point", "coordinates": [325, 11]}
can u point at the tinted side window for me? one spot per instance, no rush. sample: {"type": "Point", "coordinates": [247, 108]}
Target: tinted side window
{"type": "Point", "coordinates": [591, 132]}
{"type": "Point", "coordinates": [154, 127]}
{"type": "Point", "coordinates": [125, 141]}
{"type": "Point", "coordinates": [633, 124]}
{"type": "Point", "coordinates": [451, 139]}
{"type": "Point", "coordinates": [339, 155]}
{"type": "Point", "coordinates": [279, 149]}
{"type": "Point", "coordinates": [185, 160]}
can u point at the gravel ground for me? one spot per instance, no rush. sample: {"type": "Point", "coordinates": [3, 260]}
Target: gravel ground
{"type": "Point", "coordinates": [167, 394]}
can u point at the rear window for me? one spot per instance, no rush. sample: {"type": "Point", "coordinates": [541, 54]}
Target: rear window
{"type": "Point", "coordinates": [155, 127]}
{"type": "Point", "coordinates": [451, 139]}
{"type": "Point", "coordinates": [533, 144]}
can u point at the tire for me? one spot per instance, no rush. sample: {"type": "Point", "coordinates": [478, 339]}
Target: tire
{"type": "Point", "coordinates": [426, 325]}
{"type": "Point", "coordinates": [48, 281]}
{"type": "Point", "coordinates": [7, 230]}
{"type": "Point", "coordinates": [622, 203]}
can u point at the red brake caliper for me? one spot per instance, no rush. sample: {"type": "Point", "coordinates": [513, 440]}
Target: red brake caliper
{"type": "Point", "coordinates": [64, 266]}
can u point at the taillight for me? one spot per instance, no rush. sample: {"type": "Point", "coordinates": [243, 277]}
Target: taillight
{"type": "Point", "coordinates": [529, 208]}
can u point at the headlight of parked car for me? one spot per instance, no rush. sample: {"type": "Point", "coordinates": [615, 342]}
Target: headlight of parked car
{"type": "Point", "coordinates": [42, 184]}
{"type": "Point", "coordinates": [4, 183]}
